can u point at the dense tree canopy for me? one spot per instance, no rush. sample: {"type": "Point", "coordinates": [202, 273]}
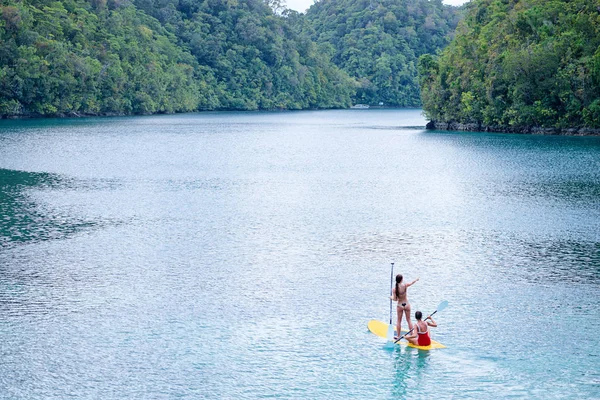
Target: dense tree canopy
{"type": "Point", "coordinates": [511, 63]}
{"type": "Point", "coordinates": [73, 57]}
{"type": "Point", "coordinates": [378, 42]}
{"type": "Point", "coordinates": [519, 63]}
{"type": "Point", "coordinates": [70, 57]}
{"type": "Point", "coordinates": [259, 58]}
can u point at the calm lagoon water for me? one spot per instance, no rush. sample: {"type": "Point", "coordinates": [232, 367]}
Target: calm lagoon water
{"type": "Point", "coordinates": [241, 255]}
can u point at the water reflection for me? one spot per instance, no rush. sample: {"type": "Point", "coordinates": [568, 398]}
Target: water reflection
{"type": "Point", "coordinates": [559, 260]}
{"type": "Point", "coordinates": [30, 288]}
{"type": "Point", "coordinates": [549, 258]}
{"type": "Point", "coordinates": [25, 220]}
{"type": "Point", "coordinates": [251, 257]}
{"type": "Point", "coordinates": [410, 370]}
{"type": "Point", "coordinates": [583, 192]}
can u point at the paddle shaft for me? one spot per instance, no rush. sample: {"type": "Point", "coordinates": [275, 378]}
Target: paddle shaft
{"type": "Point", "coordinates": [430, 315]}
{"type": "Point", "coordinates": [391, 291]}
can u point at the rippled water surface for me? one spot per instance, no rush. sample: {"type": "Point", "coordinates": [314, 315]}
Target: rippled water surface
{"type": "Point", "coordinates": [241, 255]}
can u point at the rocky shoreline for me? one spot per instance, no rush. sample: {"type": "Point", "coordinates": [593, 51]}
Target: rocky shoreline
{"type": "Point", "coordinates": [531, 130]}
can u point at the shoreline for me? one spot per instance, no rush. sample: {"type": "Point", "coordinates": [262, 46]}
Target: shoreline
{"type": "Point", "coordinates": [529, 130]}
{"type": "Point", "coordinates": [75, 115]}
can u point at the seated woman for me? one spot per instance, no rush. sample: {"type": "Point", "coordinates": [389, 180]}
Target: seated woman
{"type": "Point", "coordinates": [420, 335]}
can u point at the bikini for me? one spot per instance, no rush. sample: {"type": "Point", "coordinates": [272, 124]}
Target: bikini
{"type": "Point", "coordinates": [423, 338]}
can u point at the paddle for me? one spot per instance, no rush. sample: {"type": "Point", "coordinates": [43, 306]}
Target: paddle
{"type": "Point", "coordinates": [390, 332]}
{"type": "Point", "coordinates": [440, 307]}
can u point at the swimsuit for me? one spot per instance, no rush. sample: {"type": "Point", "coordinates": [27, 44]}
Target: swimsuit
{"type": "Point", "coordinates": [423, 338]}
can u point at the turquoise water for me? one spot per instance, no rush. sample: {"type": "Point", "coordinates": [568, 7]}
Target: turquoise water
{"type": "Point", "coordinates": [241, 255]}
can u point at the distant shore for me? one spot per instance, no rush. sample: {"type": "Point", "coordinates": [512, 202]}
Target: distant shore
{"type": "Point", "coordinates": [107, 114]}
{"type": "Point", "coordinates": [530, 130]}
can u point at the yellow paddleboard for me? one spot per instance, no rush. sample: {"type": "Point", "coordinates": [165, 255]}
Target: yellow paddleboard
{"type": "Point", "coordinates": [380, 329]}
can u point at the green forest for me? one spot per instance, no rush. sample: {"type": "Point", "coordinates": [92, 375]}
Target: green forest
{"type": "Point", "coordinates": [514, 65]}
{"type": "Point", "coordinates": [505, 65]}
{"type": "Point", "coordinates": [75, 57]}
{"type": "Point", "coordinates": [119, 57]}
{"type": "Point", "coordinates": [378, 43]}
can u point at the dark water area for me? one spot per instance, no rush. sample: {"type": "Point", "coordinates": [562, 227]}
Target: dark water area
{"type": "Point", "coordinates": [23, 220]}
{"type": "Point", "coordinates": [241, 255]}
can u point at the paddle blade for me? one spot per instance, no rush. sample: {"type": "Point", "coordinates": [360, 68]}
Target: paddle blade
{"type": "Point", "coordinates": [389, 346]}
{"type": "Point", "coordinates": [442, 305]}
{"type": "Point", "coordinates": [390, 333]}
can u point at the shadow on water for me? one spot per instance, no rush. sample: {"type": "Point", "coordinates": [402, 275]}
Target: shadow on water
{"type": "Point", "coordinates": [29, 287]}
{"type": "Point", "coordinates": [23, 219]}
{"type": "Point", "coordinates": [410, 370]}
{"type": "Point", "coordinates": [573, 191]}
{"type": "Point", "coordinates": [558, 260]}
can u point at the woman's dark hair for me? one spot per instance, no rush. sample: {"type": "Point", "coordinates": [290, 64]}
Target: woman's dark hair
{"type": "Point", "coordinates": [397, 289]}
{"type": "Point", "coordinates": [418, 315]}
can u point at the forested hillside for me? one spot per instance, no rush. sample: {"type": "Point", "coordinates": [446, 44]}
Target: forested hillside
{"type": "Point", "coordinates": [71, 56]}
{"type": "Point", "coordinates": [75, 57]}
{"type": "Point", "coordinates": [258, 57]}
{"type": "Point", "coordinates": [518, 65]}
{"type": "Point", "coordinates": [378, 42]}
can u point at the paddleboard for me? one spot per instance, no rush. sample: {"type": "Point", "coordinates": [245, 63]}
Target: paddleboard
{"type": "Point", "coordinates": [380, 329]}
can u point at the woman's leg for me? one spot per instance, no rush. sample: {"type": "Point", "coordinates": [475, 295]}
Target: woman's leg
{"type": "Point", "coordinates": [399, 312]}
{"type": "Point", "coordinates": [413, 338]}
{"type": "Point", "coordinates": [407, 312]}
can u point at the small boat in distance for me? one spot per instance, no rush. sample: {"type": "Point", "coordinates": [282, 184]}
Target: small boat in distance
{"type": "Point", "coordinates": [360, 106]}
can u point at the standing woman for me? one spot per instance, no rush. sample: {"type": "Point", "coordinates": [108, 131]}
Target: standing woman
{"type": "Point", "coordinates": [402, 304]}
